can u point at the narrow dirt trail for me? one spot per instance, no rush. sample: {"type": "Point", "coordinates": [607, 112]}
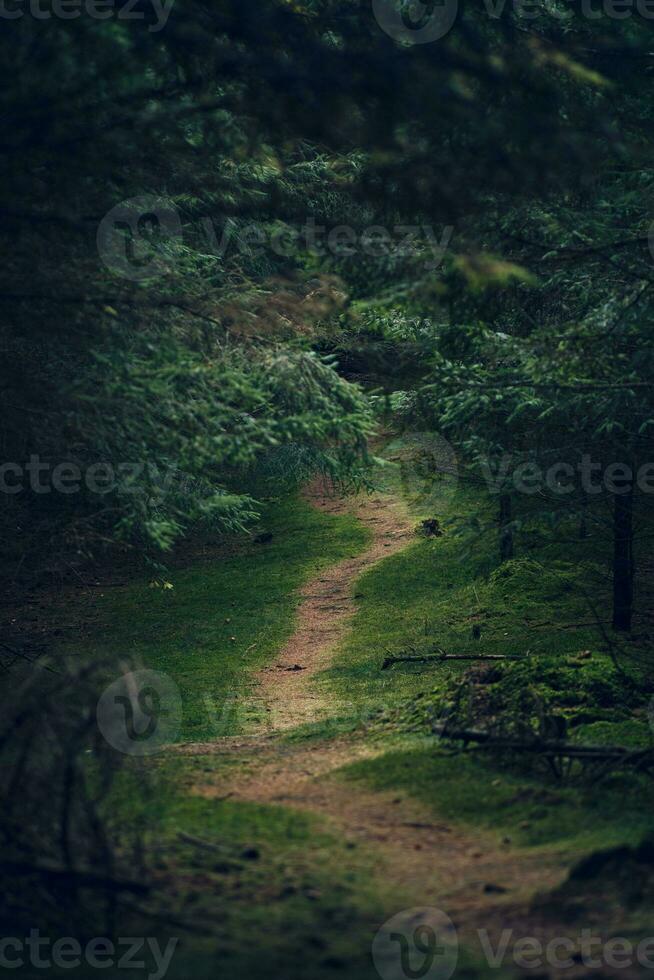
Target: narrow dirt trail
{"type": "Point", "coordinates": [429, 861]}
{"type": "Point", "coordinates": [287, 687]}
{"type": "Point", "coordinates": [473, 874]}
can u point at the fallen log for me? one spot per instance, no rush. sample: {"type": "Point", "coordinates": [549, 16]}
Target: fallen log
{"type": "Point", "coordinates": [440, 657]}
{"type": "Point", "coordinates": [546, 748]}
{"type": "Point", "coordinates": [207, 845]}
{"type": "Point", "coordinates": [227, 855]}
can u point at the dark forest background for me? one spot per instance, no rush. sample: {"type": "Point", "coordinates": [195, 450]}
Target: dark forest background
{"type": "Point", "coordinates": [238, 244]}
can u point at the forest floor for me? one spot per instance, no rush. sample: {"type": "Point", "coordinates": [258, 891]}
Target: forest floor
{"type": "Point", "coordinates": [308, 804]}
{"type": "Point", "coordinates": [420, 861]}
{"type": "Point", "coordinates": [431, 858]}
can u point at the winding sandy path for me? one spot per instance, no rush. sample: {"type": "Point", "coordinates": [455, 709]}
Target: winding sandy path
{"type": "Point", "coordinates": [288, 686]}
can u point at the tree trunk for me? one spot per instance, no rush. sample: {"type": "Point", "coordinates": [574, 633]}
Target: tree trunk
{"type": "Point", "coordinates": [623, 560]}
{"type": "Point", "coordinates": [506, 534]}
{"type": "Point", "coordinates": [583, 519]}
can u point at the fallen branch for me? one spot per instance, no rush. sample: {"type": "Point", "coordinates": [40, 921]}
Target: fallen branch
{"type": "Point", "coordinates": [549, 749]}
{"type": "Point", "coordinates": [208, 845]}
{"type": "Point", "coordinates": [562, 626]}
{"type": "Point", "coordinates": [440, 657]}
{"type": "Point", "coordinates": [82, 879]}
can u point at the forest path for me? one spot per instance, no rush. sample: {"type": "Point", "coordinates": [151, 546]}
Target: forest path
{"type": "Point", "coordinates": [287, 687]}
{"type": "Point", "coordinates": [426, 860]}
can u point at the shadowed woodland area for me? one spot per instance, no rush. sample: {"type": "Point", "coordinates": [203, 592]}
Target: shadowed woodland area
{"type": "Point", "coordinates": [327, 488]}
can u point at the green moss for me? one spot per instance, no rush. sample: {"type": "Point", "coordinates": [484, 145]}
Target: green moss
{"type": "Point", "coordinates": [631, 732]}
{"type": "Point", "coordinates": [445, 594]}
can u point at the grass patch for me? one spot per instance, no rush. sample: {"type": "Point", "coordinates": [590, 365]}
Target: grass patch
{"type": "Point", "coordinates": [280, 894]}
{"type": "Point", "coordinates": [632, 732]}
{"type": "Point", "coordinates": [443, 593]}
{"type": "Point", "coordinates": [224, 619]}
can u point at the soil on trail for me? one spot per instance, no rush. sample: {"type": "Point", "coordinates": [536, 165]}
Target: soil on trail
{"type": "Point", "coordinates": [287, 687]}
{"type": "Point", "coordinates": [473, 874]}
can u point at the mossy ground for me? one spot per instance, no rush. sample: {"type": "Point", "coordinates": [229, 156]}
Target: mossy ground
{"type": "Point", "coordinates": [222, 619]}
{"type": "Point", "coordinates": [431, 596]}
{"type": "Point", "coordinates": [308, 905]}
{"type": "Point", "coordinates": [435, 593]}
{"type": "Point", "coordinates": [519, 804]}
